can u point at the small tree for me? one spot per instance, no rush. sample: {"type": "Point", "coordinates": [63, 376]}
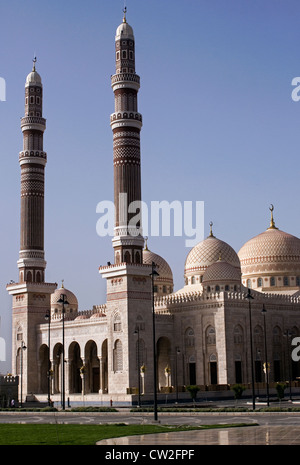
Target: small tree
{"type": "Point", "coordinates": [280, 387]}
{"type": "Point", "coordinates": [238, 390]}
{"type": "Point", "coordinates": [193, 390]}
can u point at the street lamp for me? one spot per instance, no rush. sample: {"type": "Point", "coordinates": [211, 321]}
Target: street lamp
{"type": "Point", "coordinates": [63, 301]}
{"type": "Point", "coordinates": [137, 331]}
{"type": "Point", "coordinates": [288, 334]}
{"type": "Point", "coordinates": [23, 348]}
{"type": "Point", "coordinates": [264, 311]}
{"type": "Point", "coordinates": [48, 318]}
{"type": "Point", "coordinates": [249, 298]}
{"type": "Point", "coordinates": [154, 273]}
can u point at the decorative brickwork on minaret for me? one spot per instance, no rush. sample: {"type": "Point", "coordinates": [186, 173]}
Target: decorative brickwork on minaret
{"type": "Point", "coordinates": [126, 124]}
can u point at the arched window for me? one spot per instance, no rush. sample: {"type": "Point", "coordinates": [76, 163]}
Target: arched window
{"type": "Point", "coordinates": [127, 257]}
{"type": "Point", "coordinates": [193, 280]}
{"type": "Point", "coordinates": [238, 336]}
{"type": "Point", "coordinates": [210, 336]}
{"type": "Point", "coordinates": [118, 356]}
{"type": "Point", "coordinates": [249, 283]}
{"type": "Point", "coordinates": [189, 337]}
{"type": "Point", "coordinates": [259, 282]}
{"type": "Point", "coordinates": [297, 280]}
{"type": "Point", "coordinates": [217, 288]}
{"type": "Point", "coordinates": [117, 323]}
{"type": "Point", "coordinates": [226, 287]}
{"type": "Point", "coordinates": [272, 281]}
{"type": "Point", "coordinates": [285, 281]}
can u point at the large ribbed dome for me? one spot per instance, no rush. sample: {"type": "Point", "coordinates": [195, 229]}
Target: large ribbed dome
{"type": "Point", "coordinates": [273, 257]}
{"type": "Point", "coordinates": [208, 252]}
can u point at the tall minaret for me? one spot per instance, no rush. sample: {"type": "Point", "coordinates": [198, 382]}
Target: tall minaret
{"type": "Point", "coordinates": [32, 160]}
{"type": "Point", "coordinates": [126, 125]}
{"type": "Point", "coordinates": [31, 295]}
{"type": "Point", "coordinates": [129, 287]}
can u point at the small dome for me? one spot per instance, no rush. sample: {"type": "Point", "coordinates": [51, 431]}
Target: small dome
{"type": "Point", "coordinates": [70, 297]}
{"type": "Point", "coordinates": [165, 278]}
{"type": "Point", "coordinates": [221, 272]}
{"type": "Point", "coordinates": [124, 31]}
{"type": "Point", "coordinates": [208, 252]}
{"type": "Point", "coordinates": [34, 79]}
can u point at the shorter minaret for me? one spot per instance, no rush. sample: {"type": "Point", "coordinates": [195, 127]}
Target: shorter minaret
{"type": "Point", "coordinates": [31, 295]}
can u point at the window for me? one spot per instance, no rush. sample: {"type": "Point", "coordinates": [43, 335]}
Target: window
{"type": "Point", "coordinates": [272, 281]}
{"type": "Point", "coordinates": [124, 54]}
{"type": "Point", "coordinates": [249, 283]}
{"type": "Point", "coordinates": [117, 323]}
{"type": "Point", "coordinates": [210, 336]}
{"type": "Point", "coordinates": [259, 282]}
{"type": "Point", "coordinates": [31, 99]}
{"type": "Point", "coordinates": [118, 356]}
{"type": "Point", "coordinates": [217, 288]}
{"type": "Point", "coordinates": [285, 281]}
{"type": "Point", "coordinates": [297, 280]}
{"type": "Point", "coordinates": [118, 56]}
{"type": "Point", "coordinates": [37, 99]}
{"type": "Point", "coordinates": [130, 55]}
{"type": "Point", "coordinates": [193, 280]}
{"type": "Point", "coordinates": [226, 287]}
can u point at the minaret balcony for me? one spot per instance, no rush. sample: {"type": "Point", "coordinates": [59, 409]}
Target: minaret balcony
{"type": "Point", "coordinates": [33, 122]}
{"type": "Point", "coordinates": [125, 80]}
{"type": "Point", "coordinates": [126, 118]}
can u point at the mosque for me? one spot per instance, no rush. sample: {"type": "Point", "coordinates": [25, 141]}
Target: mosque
{"type": "Point", "coordinates": [232, 320]}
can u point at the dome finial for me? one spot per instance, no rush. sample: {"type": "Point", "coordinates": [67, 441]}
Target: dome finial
{"type": "Point", "coordinates": [62, 283]}
{"type": "Point", "coordinates": [272, 222]}
{"type": "Point", "coordinates": [34, 62]}
{"type": "Point", "coordinates": [124, 11]}
{"type": "Point", "coordinates": [211, 233]}
{"type": "Point", "coordinates": [146, 245]}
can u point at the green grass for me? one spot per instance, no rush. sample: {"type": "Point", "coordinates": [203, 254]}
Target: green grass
{"type": "Point", "coordinates": [66, 434]}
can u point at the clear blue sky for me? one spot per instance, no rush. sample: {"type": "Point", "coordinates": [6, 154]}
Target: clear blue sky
{"type": "Point", "coordinates": [219, 123]}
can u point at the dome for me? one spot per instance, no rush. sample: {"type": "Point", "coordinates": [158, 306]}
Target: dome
{"type": "Point", "coordinates": [165, 278]}
{"type": "Point", "coordinates": [207, 252]}
{"type": "Point", "coordinates": [271, 258]}
{"type": "Point", "coordinates": [70, 297]}
{"type": "Point", "coordinates": [221, 272]}
{"type": "Point", "coordinates": [124, 31]}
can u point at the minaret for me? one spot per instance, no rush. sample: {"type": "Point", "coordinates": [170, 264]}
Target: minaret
{"type": "Point", "coordinates": [129, 287]}
{"type": "Point", "coordinates": [126, 124]}
{"type": "Point", "coordinates": [31, 295]}
{"type": "Point", "coordinates": [32, 160]}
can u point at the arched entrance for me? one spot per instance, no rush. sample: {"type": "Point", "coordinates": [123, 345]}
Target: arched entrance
{"type": "Point", "coordinates": [44, 368]}
{"type": "Point", "coordinates": [75, 364]}
{"type": "Point", "coordinates": [163, 362]}
{"type": "Point", "coordinates": [92, 368]}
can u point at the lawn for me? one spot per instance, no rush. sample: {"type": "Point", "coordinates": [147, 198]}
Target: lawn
{"type": "Point", "coordinates": [67, 434]}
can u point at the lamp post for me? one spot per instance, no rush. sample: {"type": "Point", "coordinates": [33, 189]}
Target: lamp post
{"type": "Point", "coordinates": [137, 331]}
{"type": "Point", "coordinates": [63, 301]}
{"type": "Point", "coordinates": [23, 348]}
{"type": "Point", "coordinates": [48, 318]}
{"type": "Point", "coordinates": [288, 334]}
{"type": "Point", "coordinates": [264, 311]}
{"type": "Point", "coordinates": [249, 297]}
{"type": "Point", "coordinates": [154, 273]}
